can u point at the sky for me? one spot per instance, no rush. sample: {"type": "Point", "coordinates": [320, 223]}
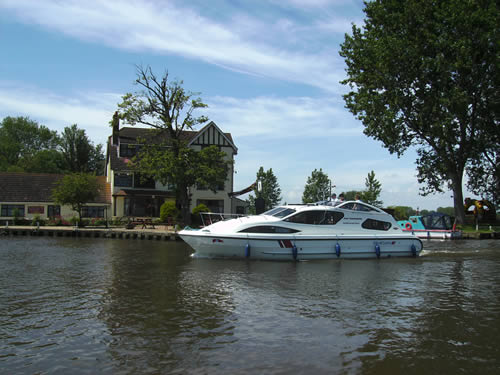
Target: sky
{"type": "Point", "coordinates": [269, 70]}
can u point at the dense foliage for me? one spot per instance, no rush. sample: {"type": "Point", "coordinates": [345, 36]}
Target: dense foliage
{"type": "Point", "coordinates": [80, 154]}
{"type": "Point", "coordinates": [317, 188]}
{"type": "Point", "coordinates": [426, 74]}
{"type": "Point", "coordinates": [373, 190]}
{"type": "Point", "coordinates": [75, 190]}
{"type": "Point", "coordinates": [271, 191]}
{"type": "Point", "coordinates": [168, 210]}
{"type": "Point", "coordinates": [26, 146]}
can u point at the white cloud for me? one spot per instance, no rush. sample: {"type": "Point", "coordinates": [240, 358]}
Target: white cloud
{"type": "Point", "coordinates": [282, 49]}
{"type": "Point", "coordinates": [282, 118]}
{"type": "Point", "coordinates": [91, 111]}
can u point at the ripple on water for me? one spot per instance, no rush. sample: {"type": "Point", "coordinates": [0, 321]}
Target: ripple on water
{"type": "Point", "coordinates": [114, 306]}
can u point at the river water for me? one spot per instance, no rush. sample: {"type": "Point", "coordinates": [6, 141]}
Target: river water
{"type": "Point", "coordinates": [86, 306]}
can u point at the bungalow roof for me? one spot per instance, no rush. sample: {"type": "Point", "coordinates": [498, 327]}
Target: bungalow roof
{"type": "Point", "coordinates": [37, 187]}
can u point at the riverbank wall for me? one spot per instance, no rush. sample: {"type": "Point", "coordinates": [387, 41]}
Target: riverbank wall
{"type": "Point", "coordinates": [159, 233]}
{"type": "Point", "coordinates": [481, 236]}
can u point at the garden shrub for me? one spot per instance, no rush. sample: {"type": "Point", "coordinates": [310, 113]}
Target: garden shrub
{"type": "Point", "coordinates": [196, 217]}
{"type": "Point", "coordinates": [37, 219]}
{"type": "Point", "coordinates": [167, 210]}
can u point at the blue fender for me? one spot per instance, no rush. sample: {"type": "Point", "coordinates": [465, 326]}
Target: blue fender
{"type": "Point", "coordinates": [294, 252]}
{"type": "Point", "coordinates": [337, 249]}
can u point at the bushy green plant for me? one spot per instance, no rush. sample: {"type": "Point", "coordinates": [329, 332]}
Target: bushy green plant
{"type": "Point", "coordinates": [196, 218]}
{"type": "Point", "coordinates": [37, 220]}
{"type": "Point", "coordinates": [167, 210]}
{"type": "Point", "coordinates": [15, 213]}
{"type": "Point", "coordinates": [200, 208]}
{"type": "Point", "coordinates": [99, 222]}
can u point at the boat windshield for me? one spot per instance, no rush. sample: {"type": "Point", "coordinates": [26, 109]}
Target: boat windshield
{"type": "Point", "coordinates": [279, 211]}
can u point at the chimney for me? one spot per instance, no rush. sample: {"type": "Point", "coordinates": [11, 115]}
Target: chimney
{"type": "Point", "coordinates": [116, 128]}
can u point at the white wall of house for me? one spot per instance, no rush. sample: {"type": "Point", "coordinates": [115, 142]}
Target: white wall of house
{"type": "Point", "coordinates": [220, 196]}
{"type": "Point", "coordinates": [32, 209]}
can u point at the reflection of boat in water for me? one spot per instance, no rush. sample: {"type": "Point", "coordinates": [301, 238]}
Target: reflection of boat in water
{"type": "Point", "coordinates": [435, 225]}
{"type": "Point", "coordinates": [306, 232]}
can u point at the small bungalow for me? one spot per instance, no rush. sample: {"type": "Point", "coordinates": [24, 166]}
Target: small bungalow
{"type": "Point", "coordinates": [26, 195]}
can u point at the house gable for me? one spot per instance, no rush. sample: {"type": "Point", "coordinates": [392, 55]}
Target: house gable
{"type": "Point", "coordinates": [212, 135]}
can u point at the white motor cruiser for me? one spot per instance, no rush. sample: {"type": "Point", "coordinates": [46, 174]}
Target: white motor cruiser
{"type": "Point", "coordinates": [351, 229]}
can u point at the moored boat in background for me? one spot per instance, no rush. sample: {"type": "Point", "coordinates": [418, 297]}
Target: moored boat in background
{"type": "Point", "coordinates": [433, 226]}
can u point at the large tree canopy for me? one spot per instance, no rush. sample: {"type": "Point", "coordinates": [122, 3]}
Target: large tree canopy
{"type": "Point", "coordinates": [166, 107]}
{"type": "Point", "coordinates": [426, 74]}
{"type": "Point", "coordinates": [22, 138]}
{"type": "Point", "coordinates": [80, 154]}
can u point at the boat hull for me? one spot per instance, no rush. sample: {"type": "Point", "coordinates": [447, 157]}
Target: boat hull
{"type": "Point", "coordinates": [435, 234]}
{"type": "Point", "coordinates": [301, 247]}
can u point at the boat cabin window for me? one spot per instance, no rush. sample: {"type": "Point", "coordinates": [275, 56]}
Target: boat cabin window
{"type": "Point", "coordinates": [316, 217]}
{"type": "Point", "coordinates": [279, 211]}
{"type": "Point", "coordinates": [268, 229]}
{"type": "Point", "coordinates": [376, 224]}
{"type": "Point", "coordinates": [356, 206]}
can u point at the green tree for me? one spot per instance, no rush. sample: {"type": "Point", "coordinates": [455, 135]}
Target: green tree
{"type": "Point", "coordinates": [168, 109]}
{"type": "Point", "coordinates": [44, 161]}
{"type": "Point", "coordinates": [425, 74]}
{"type": "Point", "coordinates": [402, 212]}
{"type": "Point", "coordinates": [167, 210]}
{"type": "Point", "coordinates": [317, 188]}
{"type": "Point", "coordinates": [75, 190]}
{"type": "Point", "coordinates": [271, 191]}
{"type": "Point", "coordinates": [350, 195]}
{"type": "Point", "coordinates": [79, 152]}
{"type": "Point", "coordinates": [373, 190]}
{"type": "Point", "coordinates": [484, 174]}
{"type": "Point", "coordinates": [22, 138]}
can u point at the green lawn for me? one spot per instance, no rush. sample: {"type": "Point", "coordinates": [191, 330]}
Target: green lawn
{"type": "Point", "coordinates": [483, 228]}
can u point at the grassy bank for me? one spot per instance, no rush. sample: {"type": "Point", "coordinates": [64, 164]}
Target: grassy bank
{"type": "Point", "coordinates": [482, 228]}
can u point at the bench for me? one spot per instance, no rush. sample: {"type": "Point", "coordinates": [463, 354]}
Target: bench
{"type": "Point", "coordinates": [143, 221]}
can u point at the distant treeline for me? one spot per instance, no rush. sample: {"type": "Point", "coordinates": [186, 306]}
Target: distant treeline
{"type": "Point", "coordinates": [26, 146]}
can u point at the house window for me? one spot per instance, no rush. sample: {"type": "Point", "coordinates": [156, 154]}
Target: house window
{"type": "Point", "coordinates": [128, 151]}
{"type": "Point", "coordinates": [143, 182]}
{"type": "Point", "coordinates": [214, 205]}
{"type": "Point", "coordinates": [123, 180]}
{"type": "Point", "coordinates": [93, 211]}
{"type": "Point", "coordinates": [8, 210]}
{"type": "Point", "coordinates": [53, 211]}
{"type": "Point", "coordinates": [220, 187]}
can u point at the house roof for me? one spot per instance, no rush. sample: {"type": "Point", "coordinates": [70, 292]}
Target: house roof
{"type": "Point", "coordinates": [134, 135]}
{"type": "Point", "coordinates": [130, 135]}
{"type": "Point", "coordinates": [37, 187]}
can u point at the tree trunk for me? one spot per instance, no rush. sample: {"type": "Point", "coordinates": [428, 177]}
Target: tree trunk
{"type": "Point", "coordinates": [183, 202]}
{"type": "Point", "coordinates": [458, 199]}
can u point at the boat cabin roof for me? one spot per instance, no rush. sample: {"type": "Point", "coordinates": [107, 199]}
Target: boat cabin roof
{"type": "Point", "coordinates": [286, 210]}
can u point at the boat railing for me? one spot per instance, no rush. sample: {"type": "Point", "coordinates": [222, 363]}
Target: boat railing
{"type": "Point", "coordinates": [208, 218]}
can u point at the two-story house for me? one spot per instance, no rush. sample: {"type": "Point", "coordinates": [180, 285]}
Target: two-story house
{"type": "Point", "coordinates": [136, 196]}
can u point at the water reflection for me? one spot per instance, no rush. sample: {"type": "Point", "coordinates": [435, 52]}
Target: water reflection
{"type": "Point", "coordinates": [115, 306]}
